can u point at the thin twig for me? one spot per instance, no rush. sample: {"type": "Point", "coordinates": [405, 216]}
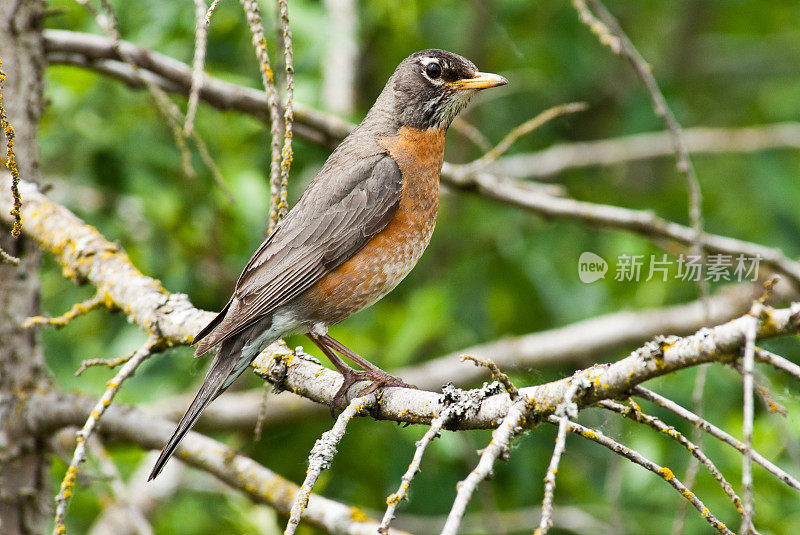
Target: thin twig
{"type": "Point", "coordinates": [262, 412]}
{"type": "Point", "coordinates": [763, 392]}
{"type": "Point", "coordinates": [322, 456]}
{"type": "Point", "coordinates": [747, 426]}
{"type": "Point", "coordinates": [456, 403]}
{"type": "Point", "coordinates": [210, 12]}
{"type": "Point", "coordinates": [198, 63]}
{"type": "Point", "coordinates": [501, 438]}
{"type": "Point", "coordinates": [90, 52]}
{"type": "Point", "coordinates": [121, 494]}
{"type": "Point", "coordinates": [528, 126]}
{"type": "Point", "coordinates": [497, 374]}
{"type": "Point", "coordinates": [470, 132]}
{"type": "Point", "coordinates": [168, 109]}
{"type": "Point", "coordinates": [697, 437]}
{"type": "Point", "coordinates": [715, 432]}
{"type": "Point", "coordinates": [78, 309]}
{"type": "Point", "coordinates": [662, 471]}
{"type": "Point", "coordinates": [253, 15]}
{"type": "Point", "coordinates": [70, 478]}
{"type": "Point", "coordinates": [565, 410]}
{"type": "Point", "coordinates": [394, 499]}
{"type": "Point", "coordinates": [777, 362]}
{"type": "Point", "coordinates": [288, 113]}
{"type": "Point", "coordinates": [633, 412]}
{"type": "Point", "coordinates": [611, 34]}
{"type": "Point", "coordinates": [110, 363]}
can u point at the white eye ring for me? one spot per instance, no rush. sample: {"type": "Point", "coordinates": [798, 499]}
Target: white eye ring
{"type": "Point", "coordinates": [427, 63]}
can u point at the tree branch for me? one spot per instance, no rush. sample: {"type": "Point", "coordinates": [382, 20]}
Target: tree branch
{"type": "Point", "coordinates": [93, 52]}
{"type": "Point", "coordinates": [722, 344]}
{"type": "Point", "coordinates": [45, 413]}
{"type": "Point", "coordinates": [699, 140]}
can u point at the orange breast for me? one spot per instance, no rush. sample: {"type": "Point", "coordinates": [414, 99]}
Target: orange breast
{"type": "Point", "coordinates": [389, 255]}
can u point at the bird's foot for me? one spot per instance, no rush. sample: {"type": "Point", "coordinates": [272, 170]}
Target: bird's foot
{"type": "Point", "coordinates": [377, 377]}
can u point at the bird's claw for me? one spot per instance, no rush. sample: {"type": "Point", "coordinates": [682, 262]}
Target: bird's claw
{"type": "Point", "coordinates": [378, 379]}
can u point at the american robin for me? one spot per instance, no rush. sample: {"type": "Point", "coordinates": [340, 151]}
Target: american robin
{"type": "Point", "coordinates": [358, 229]}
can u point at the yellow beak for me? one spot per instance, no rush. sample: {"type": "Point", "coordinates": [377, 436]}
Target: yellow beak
{"type": "Point", "coordinates": [482, 80]}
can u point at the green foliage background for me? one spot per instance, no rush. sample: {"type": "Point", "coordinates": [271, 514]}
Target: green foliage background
{"type": "Point", "coordinates": [490, 270]}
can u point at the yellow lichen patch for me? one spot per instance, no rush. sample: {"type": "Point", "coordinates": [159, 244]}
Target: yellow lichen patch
{"type": "Point", "coordinates": [357, 515]}
{"type": "Point", "coordinates": [666, 473]}
{"type": "Point", "coordinates": [392, 499]}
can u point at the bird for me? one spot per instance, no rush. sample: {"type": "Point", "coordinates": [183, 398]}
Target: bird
{"type": "Point", "coordinates": [358, 229]}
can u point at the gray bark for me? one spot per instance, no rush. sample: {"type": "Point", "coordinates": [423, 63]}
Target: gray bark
{"type": "Point", "coordinates": [24, 492]}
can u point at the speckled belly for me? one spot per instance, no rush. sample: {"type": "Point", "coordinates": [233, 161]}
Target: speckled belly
{"type": "Point", "coordinates": [391, 254]}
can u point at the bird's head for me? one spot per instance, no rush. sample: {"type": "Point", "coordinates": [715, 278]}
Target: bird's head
{"type": "Point", "coordinates": [430, 87]}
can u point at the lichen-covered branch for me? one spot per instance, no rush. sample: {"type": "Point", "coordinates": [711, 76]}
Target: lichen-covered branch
{"type": "Point", "coordinates": [717, 433]}
{"type": "Point", "coordinates": [86, 256]}
{"type": "Point", "coordinates": [322, 455]}
{"type": "Point", "coordinates": [662, 471]}
{"type": "Point", "coordinates": [253, 15]}
{"type": "Point", "coordinates": [71, 476]}
{"type": "Point", "coordinates": [47, 412]}
{"type": "Point", "coordinates": [722, 343]}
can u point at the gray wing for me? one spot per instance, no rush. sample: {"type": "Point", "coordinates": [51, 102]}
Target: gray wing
{"type": "Point", "coordinates": [333, 220]}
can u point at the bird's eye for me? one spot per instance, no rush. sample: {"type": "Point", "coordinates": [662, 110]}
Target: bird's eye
{"type": "Point", "coordinates": [433, 70]}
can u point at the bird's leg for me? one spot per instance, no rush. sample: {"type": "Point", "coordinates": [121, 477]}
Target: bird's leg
{"type": "Point", "coordinates": [349, 375]}
{"type": "Point", "coordinates": [370, 372]}
{"type": "Point", "coordinates": [379, 377]}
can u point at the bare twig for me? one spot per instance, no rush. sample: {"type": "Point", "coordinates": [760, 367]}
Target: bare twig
{"type": "Point", "coordinates": [322, 456]}
{"type": "Point", "coordinates": [169, 111]}
{"type": "Point", "coordinates": [697, 438]}
{"type": "Point", "coordinates": [198, 63]}
{"type": "Point", "coordinates": [611, 34]}
{"type": "Point", "coordinates": [528, 126]}
{"type": "Point", "coordinates": [340, 59]}
{"type": "Point", "coordinates": [470, 132]}
{"type": "Point", "coordinates": [394, 499]}
{"type": "Point", "coordinates": [210, 12]}
{"type": "Point", "coordinates": [110, 363]}
{"type": "Point", "coordinates": [565, 410]}
{"type": "Point", "coordinates": [662, 471]}
{"type": "Point", "coordinates": [122, 497]}
{"type": "Point", "coordinates": [747, 426]}
{"type": "Point", "coordinates": [253, 14]}
{"type": "Point", "coordinates": [47, 412]}
{"type": "Point", "coordinates": [717, 433]}
{"type": "Point", "coordinates": [86, 50]}
{"type": "Point", "coordinates": [763, 392]}
{"type": "Point", "coordinates": [70, 478]}
{"type": "Point", "coordinates": [262, 412]}
{"type": "Point", "coordinates": [561, 157]}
